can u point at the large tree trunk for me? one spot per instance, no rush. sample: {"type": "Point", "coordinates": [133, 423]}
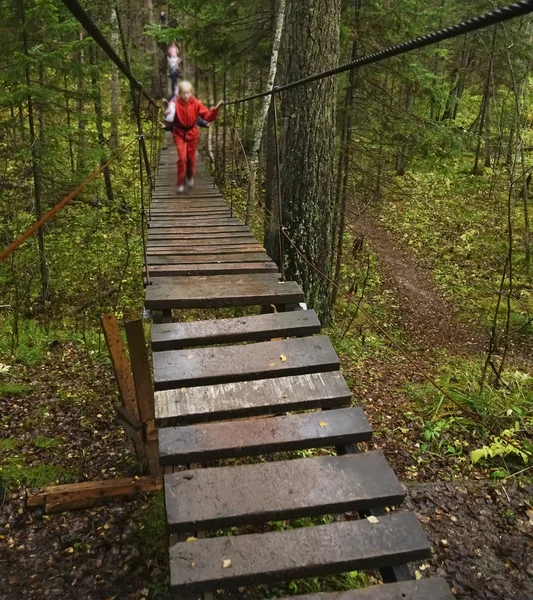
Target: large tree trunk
{"type": "Point", "coordinates": [265, 105]}
{"type": "Point", "coordinates": [311, 44]}
{"type": "Point", "coordinates": [152, 48]}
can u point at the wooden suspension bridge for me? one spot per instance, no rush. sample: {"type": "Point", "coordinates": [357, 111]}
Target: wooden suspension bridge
{"type": "Point", "coordinates": [264, 386]}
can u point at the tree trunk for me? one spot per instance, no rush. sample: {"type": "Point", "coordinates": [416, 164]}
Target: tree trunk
{"type": "Point", "coordinates": [152, 48]}
{"type": "Point", "coordinates": [99, 119]}
{"type": "Point", "coordinates": [344, 162]}
{"type": "Point", "coordinates": [477, 170]}
{"type": "Point", "coordinates": [36, 149]}
{"type": "Point", "coordinates": [265, 105]}
{"type": "Point", "coordinates": [311, 44]}
{"type": "Point", "coordinates": [271, 224]}
{"type": "Point", "coordinates": [80, 108]}
{"type": "Point", "coordinates": [115, 84]}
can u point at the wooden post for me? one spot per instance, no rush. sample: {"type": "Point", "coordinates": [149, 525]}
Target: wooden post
{"type": "Point", "coordinates": [123, 375]}
{"type": "Point", "coordinates": [144, 389]}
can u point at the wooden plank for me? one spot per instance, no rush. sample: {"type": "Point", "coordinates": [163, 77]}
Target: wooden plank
{"type": "Point", "coordinates": [271, 557]}
{"type": "Point", "coordinates": [434, 588]}
{"type": "Point", "coordinates": [281, 490]}
{"type": "Point", "coordinates": [251, 398]}
{"type": "Point", "coordinates": [161, 226]}
{"type": "Point", "coordinates": [143, 388]}
{"type": "Point", "coordinates": [254, 328]}
{"type": "Point", "coordinates": [224, 364]}
{"type": "Point", "coordinates": [208, 292]}
{"type": "Point", "coordinates": [180, 248]}
{"type": "Point", "coordinates": [182, 220]}
{"type": "Point", "coordinates": [212, 269]}
{"type": "Point", "coordinates": [233, 439]}
{"type": "Point", "coordinates": [59, 498]}
{"type": "Point", "coordinates": [195, 259]}
{"type": "Point", "coordinates": [194, 235]}
{"type": "Point", "coordinates": [202, 243]}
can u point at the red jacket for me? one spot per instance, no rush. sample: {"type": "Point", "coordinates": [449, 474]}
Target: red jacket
{"type": "Point", "coordinates": [185, 118]}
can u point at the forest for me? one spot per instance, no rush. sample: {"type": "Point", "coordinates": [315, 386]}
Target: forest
{"type": "Point", "coordinates": [397, 194]}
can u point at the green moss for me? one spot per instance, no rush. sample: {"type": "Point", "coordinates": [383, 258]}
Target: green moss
{"type": "Point", "coordinates": [14, 472]}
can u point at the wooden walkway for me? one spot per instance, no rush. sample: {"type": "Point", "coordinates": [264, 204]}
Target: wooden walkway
{"type": "Point", "coordinates": [260, 386]}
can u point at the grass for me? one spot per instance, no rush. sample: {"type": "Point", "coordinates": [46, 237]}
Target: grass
{"type": "Point", "coordinates": [46, 443]}
{"type": "Point", "coordinates": [14, 389]}
{"type": "Point", "coordinates": [151, 525]}
{"type": "Point", "coordinates": [15, 473]}
{"type": "Point", "coordinates": [8, 444]}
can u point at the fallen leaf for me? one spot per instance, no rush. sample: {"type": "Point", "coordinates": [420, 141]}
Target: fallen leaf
{"type": "Point", "coordinates": [226, 563]}
{"type": "Point", "coordinates": [193, 564]}
{"type": "Point", "coordinates": [271, 364]}
{"type": "Point", "coordinates": [323, 424]}
{"type": "Point", "coordinates": [372, 519]}
{"type": "Point", "coordinates": [529, 513]}
{"type": "Point", "coordinates": [283, 357]}
{"type": "Point", "coordinates": [191, 539]}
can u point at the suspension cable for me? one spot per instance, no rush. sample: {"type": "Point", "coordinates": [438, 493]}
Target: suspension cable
{"type": "Point", "coordinates": [278, 187]}
{"type": "Point", "coordinates": [48, 215]}
{"type": "Point", "coordinates": [494, 17]}
{"type": "Point", "coordinates": [79, 13]}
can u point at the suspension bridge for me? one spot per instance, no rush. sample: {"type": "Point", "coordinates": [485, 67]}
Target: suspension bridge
{"type": "Point", "coordinates": [239, 401]}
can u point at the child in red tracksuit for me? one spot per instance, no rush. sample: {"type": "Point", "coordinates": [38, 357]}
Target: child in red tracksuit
{"type": "Point", "coordinates": [181, 116]}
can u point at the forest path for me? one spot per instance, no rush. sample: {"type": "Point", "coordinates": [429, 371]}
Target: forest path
{"type": "Point", "coordinates": [427, 318]}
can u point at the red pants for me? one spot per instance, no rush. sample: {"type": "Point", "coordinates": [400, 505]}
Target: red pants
{"type": "Point", "coordinates": [186, 157]}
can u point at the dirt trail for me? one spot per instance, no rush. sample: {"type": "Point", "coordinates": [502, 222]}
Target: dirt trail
{"type": "Point", "coordinates": [426, 317]}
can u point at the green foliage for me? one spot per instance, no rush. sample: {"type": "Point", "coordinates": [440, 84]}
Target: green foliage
{"type": "Point", "coordinates": [14, 389]}
{"type": "Point", "coordinates": [46, 443]}
{"type": "Point", "coordinates": [151, 523]}
{"type": "Point", "coordinates": [504, 445]}
{"type": "Point", "coordinates": [14, 472]}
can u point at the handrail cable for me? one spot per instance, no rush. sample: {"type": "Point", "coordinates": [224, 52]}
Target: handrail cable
{"type": "Point", "coordinates": [79, 13]}
{"type": "Point", "coordinates": [48, 215]}
{"type": "Point", "coordinates": [500, 15]}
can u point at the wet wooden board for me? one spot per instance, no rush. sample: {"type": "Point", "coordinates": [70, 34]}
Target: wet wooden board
{"type": "Point", "coordinates": [169, 221]}
{"type": "Point", "coordinates": [194, 235]}
{"type": "Point", "coordinates": [225, 364]}
{"type": "Point", "coordinates": [200, 249]}
{"type": "Point", "coordinates": [205, 229]}
{"type": "Point", "coordinates": [434, 588]}
{"type": "Point", "coordinates": [229, 562]}
{"type": "Point", "coordinates": [233, 439]}
{"type": "Point", "coordinates": [207, 499]}
{"type": "Point", "coordinates": [179, 270]}
{"type": "Point", "coordinates": [194, 259]}
{"type": "Point", "coordinates": [251, 398]}
{"type": "Point", "coordinates": [236, 290]}
{"type": "Point", "coordinates": [255, 328]}
{"type": "Point", "coordinates": [202, 242]}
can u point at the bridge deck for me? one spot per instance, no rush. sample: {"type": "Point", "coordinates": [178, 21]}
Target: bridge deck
{"type": "Point", "coordinates": [244, 387]}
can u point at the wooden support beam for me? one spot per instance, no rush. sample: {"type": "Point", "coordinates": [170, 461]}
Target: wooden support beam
{"type": "Point", "coordinates": [144, 389]}
{"type": "Point", "coordinates": [72, 496]}
{"type": "Point", "coordinates": [123, 375]}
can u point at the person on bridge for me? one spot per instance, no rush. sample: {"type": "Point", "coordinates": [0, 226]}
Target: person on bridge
{"type": "Point", "coordinates": [174, 62]}
{"type": "Point", "coordinates": [181, 117]}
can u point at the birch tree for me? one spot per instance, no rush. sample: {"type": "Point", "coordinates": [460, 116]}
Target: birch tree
{"type": "Point", "coordinates": [263, 112]}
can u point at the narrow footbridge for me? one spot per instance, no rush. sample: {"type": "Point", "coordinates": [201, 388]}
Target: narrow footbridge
{"type": "Point", "coordinates": [239, 402]}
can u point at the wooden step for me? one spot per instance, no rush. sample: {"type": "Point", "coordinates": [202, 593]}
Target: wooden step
{"type": "Point", "coordinates": [202, 243]}
{"type": "Point", "coordinates": [187, 259]}
{"type": "Point", "coordinates": [251, 398]}
{"type": "Point", "coordinates": [194, 235]}
{"type": "Point", "coordinates": [255, 328]}
{"type": "Point", "coordinates": [196, 222]}
{"type": "Point", "coordinates": [178, 270]}
{"type": "Point", "coordinates": [207, 499]}
{"type": "Point", "coordinates": [180, 248]}
{"type": "Point", "coordinates": [228, 562]}
{"type": "Point", "coordinates": [233, 439]}
{"type": "Point", "coordinates": [214, 292]}
{"type": "Point", "coordinates": [434, 588]}
{"type": "Point", "coordinates": [225, 364]}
